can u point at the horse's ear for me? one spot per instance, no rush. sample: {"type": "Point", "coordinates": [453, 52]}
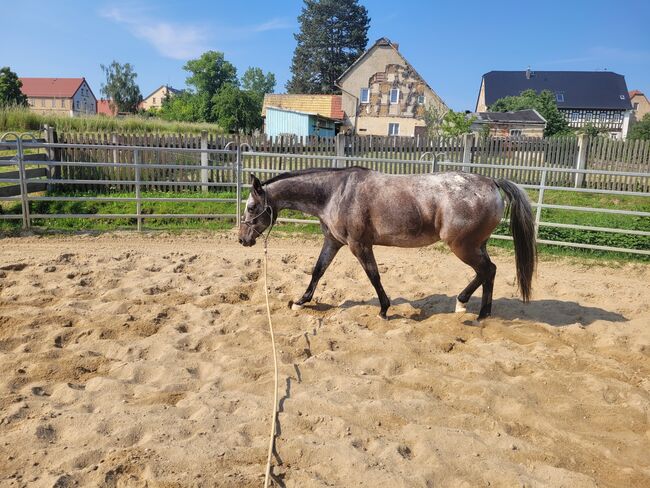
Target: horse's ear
{"type": "Point", "coordinates": [256, 189]}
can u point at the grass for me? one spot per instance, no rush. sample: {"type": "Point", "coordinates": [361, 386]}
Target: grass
{"type": "Point", "coordinates": [152, 223]}
{"type": "Point", "coordinates": [21, 119]}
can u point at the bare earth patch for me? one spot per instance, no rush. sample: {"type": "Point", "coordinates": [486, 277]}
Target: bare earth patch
{"type": "Point", "coordinates": [133, 361]}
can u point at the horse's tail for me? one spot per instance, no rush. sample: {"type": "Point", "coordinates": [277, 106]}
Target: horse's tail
{"type": "Point", "coordinates": [522, 227]}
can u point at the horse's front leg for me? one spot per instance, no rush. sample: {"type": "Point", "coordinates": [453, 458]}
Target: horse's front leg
{"type": "Point", "coordinates": [327, 254]}
{"type": "Point", "coordinates": [366, 257]}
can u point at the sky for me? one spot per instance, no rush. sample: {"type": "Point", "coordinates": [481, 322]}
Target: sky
{"type": "Point", "coordinates": [450, 43]}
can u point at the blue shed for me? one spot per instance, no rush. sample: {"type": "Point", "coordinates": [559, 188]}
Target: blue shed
{"type": "Point", "coordinates": [280, 121]}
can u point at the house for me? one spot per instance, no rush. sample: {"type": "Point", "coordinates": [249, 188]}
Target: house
{"type": "Point", "coordinates": [156, 98]}
{"type": "Point", "coordinates": [283, 122]}
{"type": "Point", "coordinates": [640, 104]}
{"type": "Point", "coordinates": [384, 95]}
{"type": "Point", "coordinates": [520, 123]}
{"type": "Point", "coordinates": [583, 97]}
{"type": "Point", "coordinates": [64, 96]}
{"type": "Point", "coordinates": [104, 108]}
{"type": "Point", "coordinates": [302, 115]}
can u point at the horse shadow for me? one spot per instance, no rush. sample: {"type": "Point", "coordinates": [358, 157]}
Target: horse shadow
{"type": "Point", "coordinates": [556, 313]}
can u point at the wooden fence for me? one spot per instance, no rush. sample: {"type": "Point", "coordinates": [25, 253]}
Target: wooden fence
{"type": "Point", "coordinates": [287, 153]}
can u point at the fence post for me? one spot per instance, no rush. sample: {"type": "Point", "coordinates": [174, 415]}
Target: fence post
{"type": "Point", "coordinates": [53, 172]}
{"type": "Point", "coordinates": [138, 202]}
{"type": "Point", "coordinates": [581, 159]}
{"type": "Point", "coordinates": [340, 150]}
{"type": "Point", "coordinates": [238, 173]}
{"type": "Point", "coordinates": [540, 200]}
{"type": "Point", "coordinates": [24, 197]}
{"type": "Point", "coordinates": [468, 144]}
{"type": "Point", "coordinates": [204, 161]}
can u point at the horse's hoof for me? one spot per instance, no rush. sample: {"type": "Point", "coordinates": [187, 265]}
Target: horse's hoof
{"type": "Point", "coordinates": [295, 306]}
{"type": "Point", "coordinates": [460, 307]}
{"type": "Point", "coordinates": [382, 316]}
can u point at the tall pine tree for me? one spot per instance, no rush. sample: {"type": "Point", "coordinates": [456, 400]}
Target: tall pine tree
{"type": "Point", "coordinates": [333, 34]}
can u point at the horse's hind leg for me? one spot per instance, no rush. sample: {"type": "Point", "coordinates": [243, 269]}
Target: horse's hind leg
{"type": "Point", "coordinates": [327, 254]}
{"type": "Point", "coordinates": [366, 257]}
{"type": "Point", "coordinates": [479, 260]}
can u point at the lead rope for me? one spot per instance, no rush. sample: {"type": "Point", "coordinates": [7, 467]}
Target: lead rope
{"type": "Point", "coordinates": [275, 359]}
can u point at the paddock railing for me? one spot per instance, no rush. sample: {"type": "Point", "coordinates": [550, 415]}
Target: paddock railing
{"type": "Point", "coordinates": [139, 185]}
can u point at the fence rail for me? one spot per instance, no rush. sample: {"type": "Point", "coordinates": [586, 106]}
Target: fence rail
{"type": "Point", "coordinates": [190, 168]}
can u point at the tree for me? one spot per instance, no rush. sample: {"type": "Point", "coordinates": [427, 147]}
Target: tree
{"type": "Point", "coordinates": [544, 103]}
{"type": "Point", "coordinates": [210, 72]}
{"type": "Point", "coordinates": [236, 110]}
{"type": "Point", "coordinates": [433, 118]}
{"type": "Point", "coordinates": [255, 81]}
{"type": "Point", "coordinates": [121, 88]}
{"type": "Point", "coordinates": [590, 130]}
{"type": "Point", "coordinates": [333, 34]}
{"type": "Point", "coordinates": [186, 107]}
{"type": "Point", "coordinates": [457, 123]}
{"type": "Point", "coordinates": [10, 85]}
{"type": "Point", "coordinates": [640, 129]}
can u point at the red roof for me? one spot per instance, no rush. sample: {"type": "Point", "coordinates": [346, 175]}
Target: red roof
{"type": "Point", "coordinates": [634, 93]}
{"type": "Point", "coordinates": [104, 107]}
{"type": "Point", "coordinates": [337, 108]}
{"type": "Point", "coordinates": [51, 87]}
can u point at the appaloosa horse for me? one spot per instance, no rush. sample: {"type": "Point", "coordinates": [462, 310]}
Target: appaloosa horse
{"type": "Point", "coordinates": [364, 208]}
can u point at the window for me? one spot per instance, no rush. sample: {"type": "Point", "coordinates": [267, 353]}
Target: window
{"type": "Point", "coordinates": [636, 105]}
{"type": "Point", "coordinates": [559, 97]}
{"type": "Point", "coordinates": [421, 99]}
{"type": "Point", "coordinates": [42, 102]}
{"type": "Point", "coordinates": [62, 103]}
{"type": "Point", "coordinates": [622, 97]}
{"type": "Point", "coordinates": [394, 96]}
{"type": "Point", "coordinates": [53, 102]}
{"type": "Point", "coordinates": [575, 116]}
{"type": "Point", "coordinates": [603, 116]}
{"type": "Point", "coordinates": [393, 129]}
{"type": "Point", "coordinates": [515, 132]}
{"type": "Point", "coordinates": [364, 95]}
{"type": "Point", "coordinates": [77, 104]}
{"type": "Point", "coordinates": [154, 100]}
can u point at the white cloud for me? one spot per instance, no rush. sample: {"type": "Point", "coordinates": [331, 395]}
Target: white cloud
{"type": "Point", "coordinates": [181, 40]}
{"type": "Point", "coordinates": [273, 24]}
{"type": "Point", "coordinates": [171, 39]}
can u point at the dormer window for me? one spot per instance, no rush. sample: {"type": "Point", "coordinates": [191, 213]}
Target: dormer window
{"type": "Point", "coordinates": [559, 97]}
{"type": "Point", "coordinates": [622, 97]}
{"type": "Point", "coordinates": [364, 96]}
{"type": "Point", "coordinates": [394, 96]}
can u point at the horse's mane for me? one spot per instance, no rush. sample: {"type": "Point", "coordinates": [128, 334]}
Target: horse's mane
{"type": "Point", "coordinates": [302, 172]}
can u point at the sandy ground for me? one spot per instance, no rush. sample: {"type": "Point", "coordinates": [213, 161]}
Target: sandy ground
{"type": "Point", "coordinates": [133, 361]}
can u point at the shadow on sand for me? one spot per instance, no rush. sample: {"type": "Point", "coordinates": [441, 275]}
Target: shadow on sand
{"type": "Point", "coordinates": [556, 313]}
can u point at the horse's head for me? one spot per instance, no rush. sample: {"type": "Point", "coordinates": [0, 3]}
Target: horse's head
{"type": "Point", "coordinates": [258, 214]}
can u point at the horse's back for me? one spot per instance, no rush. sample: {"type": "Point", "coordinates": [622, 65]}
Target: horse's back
{"type": "Point", "coordinates": [417, 210]}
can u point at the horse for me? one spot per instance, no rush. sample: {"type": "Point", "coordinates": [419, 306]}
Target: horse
{"type": "Point", "coordinates": [362, 208]}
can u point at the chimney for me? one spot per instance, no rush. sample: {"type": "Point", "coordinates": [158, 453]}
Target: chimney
{"type": "Point", "coordinates": [528, 73]}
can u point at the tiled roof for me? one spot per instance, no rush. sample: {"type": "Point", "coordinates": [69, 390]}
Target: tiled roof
{"type": "Point", "coordinates": [104, 107]}
{"type": "Point", "coordinates": [634, 93]}
{"type": "Point", "coordinates": [325, 105]}
{"type": "Point", "coordinates": [578, 89]}
{"type": "Point", "coordinates": [51, 87]}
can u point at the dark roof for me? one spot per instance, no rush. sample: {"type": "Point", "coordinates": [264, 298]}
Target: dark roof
{"type": "Point", "coordinates": [579, 89]}
{"type": "Point", "coordinates": [529, 116]}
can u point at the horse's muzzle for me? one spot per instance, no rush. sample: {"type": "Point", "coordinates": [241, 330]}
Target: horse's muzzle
{"type": "Point", "coordinates": [247, 242]}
